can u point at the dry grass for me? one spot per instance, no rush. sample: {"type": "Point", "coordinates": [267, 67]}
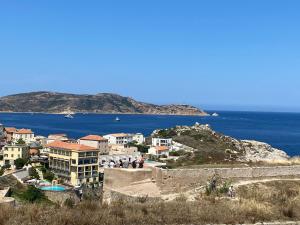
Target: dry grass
{"type": "Point", "coordinates": [256, 203]}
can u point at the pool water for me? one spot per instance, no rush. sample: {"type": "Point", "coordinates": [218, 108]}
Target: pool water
{"type": "Point", "coordinates": [53, 188]}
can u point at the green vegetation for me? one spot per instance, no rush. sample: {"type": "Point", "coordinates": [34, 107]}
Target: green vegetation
{"type": "Point", "coordinates": [48, 175]}
{"type": "Point", "coordinates": [33, 173]}
{"type": "Point", "coordinates": [273, 201]}
{"type": "Point", "coordinates": [32, 194]}
{"type": "Point", "coordinates": [141, 148]}
{"type": "Point", "coordinates": [209, 146]}
{"type": "Point", "coordinates": [20, 142]}
{"type": "Point", "coordinates": [19, 163]}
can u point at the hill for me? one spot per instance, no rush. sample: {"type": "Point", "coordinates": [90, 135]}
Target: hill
{"type": "Point", "coordinates": [204, 145]}
{"type": "Point", "coordinates": [52, 102]}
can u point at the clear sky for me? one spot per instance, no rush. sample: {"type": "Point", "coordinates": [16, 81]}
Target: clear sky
{"type": "Point", "coordinates": [218, 54]}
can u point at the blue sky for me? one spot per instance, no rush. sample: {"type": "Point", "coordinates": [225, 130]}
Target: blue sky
{"type": "Point", "coordinates": [217, 54]}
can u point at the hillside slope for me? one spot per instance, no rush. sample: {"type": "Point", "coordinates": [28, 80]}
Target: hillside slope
{"type": "Point", "coordinates": [51, 102]}
{"type": "Point", "coordinates": [209, 146]}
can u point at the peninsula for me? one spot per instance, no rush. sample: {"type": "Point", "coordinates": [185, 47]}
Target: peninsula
{"type": "Point", "coordinates": [53, 102]}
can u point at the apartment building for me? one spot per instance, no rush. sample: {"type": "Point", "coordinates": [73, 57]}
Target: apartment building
{"type": "Point", "coordinates": [12, 152]}
{"type": "Point", "coordinates": [25, 134]}
{"type": "Point", "coordinates": [95, 141]}
{"type": "Point", "coordinates": [77, 164]}
{"type": "Point", "coordinates": [119, 138]}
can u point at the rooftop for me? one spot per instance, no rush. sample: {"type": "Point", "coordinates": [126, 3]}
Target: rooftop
{"type": "Point", "coordinates": [119, 135]}
{"type": "Point", "coordinates": [58, 135]}
{"type": "Point", "coordinates": [24, 131]}
{"type": "Point", "coordinates": [93, 138]}
{"type": "Point", "coordinates": [11, 129]}
{"type": "Point", "coordinates": [70, 146]}
{"type": "Point", "coordinates": [162, 148]}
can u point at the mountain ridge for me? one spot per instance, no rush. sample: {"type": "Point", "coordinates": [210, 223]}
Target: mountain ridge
{"type": "Point", "coordinates": [56, 102]}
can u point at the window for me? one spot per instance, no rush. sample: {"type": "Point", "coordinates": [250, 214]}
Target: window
{"type": "Point", "coordinates": [73, 161]}
{"type": "Point", "coordinates": [12, 155]}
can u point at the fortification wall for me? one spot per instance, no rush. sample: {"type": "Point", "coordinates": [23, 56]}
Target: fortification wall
{"type": "Point", "coordinates": [177, 180]}
{"type": "Point", "coordinates": [115, 178]}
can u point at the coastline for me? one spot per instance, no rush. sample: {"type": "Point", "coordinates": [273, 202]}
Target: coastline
{"type": "Point", "coordinates": [108, 113]}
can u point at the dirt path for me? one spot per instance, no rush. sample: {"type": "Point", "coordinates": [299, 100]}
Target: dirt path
{"type": "Point", "coordinates": [191, 195]}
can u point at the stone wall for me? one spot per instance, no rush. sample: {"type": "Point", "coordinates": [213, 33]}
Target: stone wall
{"type": "Point", "coordinates": [115, 178]}
{"type": "Point", "coordinates": [60, 197]}
{"type": "Point", "coordinates": [178, 180]}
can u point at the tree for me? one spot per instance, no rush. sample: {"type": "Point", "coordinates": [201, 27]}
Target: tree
{"type": "Point", "coordinates": [20, 142]}
{"type": "Point", "coordinates": [48, 176]}
{"type": "Point", "coordinates": [19, 163]}
{"type": "Point", "coordinates": [33, 173]}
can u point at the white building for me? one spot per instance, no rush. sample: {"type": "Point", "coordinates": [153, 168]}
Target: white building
{"type": "Point", "coordinates": [159, 151]}
{"type": "Point", "coordinates": [25, 134]}
{"type": "Point", "coordinates": [56, 137]}
{"type": "Point", "coordinates": [139, 138]}
{"type": "Point", "coordinates": [162, 142]}
{"type": "Point", "coordinates": [97, 142]}
{"type": "Point", "coordinates": [119, 138]}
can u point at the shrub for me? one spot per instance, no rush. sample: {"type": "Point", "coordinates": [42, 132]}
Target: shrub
{"type": "Point", "coordinates": [19, 163]}
{"type": "Point", "coordinates": [69, 202]}
{"type": "Point", "coordinates": [48, 176]}
{"type": "Point", "coordinates": [33, 194]}
{"type": "Point", "coordinates": [20, 142]}
{"type": "Point", "coordinates": [33, 173]}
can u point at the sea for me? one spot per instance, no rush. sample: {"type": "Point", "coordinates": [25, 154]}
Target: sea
{"type": "Point", "coordinates": [281, 130]}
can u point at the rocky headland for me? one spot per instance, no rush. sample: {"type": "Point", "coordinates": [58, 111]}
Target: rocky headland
{"type": "Point", "coordinates": [209, 146]}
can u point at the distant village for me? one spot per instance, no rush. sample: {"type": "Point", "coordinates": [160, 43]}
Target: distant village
{"type": "Point", "coordinates": [77, 162]}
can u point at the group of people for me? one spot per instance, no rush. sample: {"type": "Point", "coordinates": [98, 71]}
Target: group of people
{"type": "Point", "coordinates": [135, 163]}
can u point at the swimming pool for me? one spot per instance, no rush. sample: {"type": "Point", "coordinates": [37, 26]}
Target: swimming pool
{"type": "Point", "coordinates": [53, 188]}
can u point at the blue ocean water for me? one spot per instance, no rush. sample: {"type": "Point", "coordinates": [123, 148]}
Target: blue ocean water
{"type": "Point", "coordinates": [281, 130]}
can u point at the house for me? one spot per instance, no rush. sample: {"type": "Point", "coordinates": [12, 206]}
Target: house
{"type": "Point", "coordinates": [56, 137]}
{"type": "Point", "coordinates": [122, 149]}
{"type": "Point", "coordinates": [11, 152]}
{"type": "Point", "coordinates": [138, 138]}
{"type": "Point", "coordinates": [9, 131]}
{"type": "Point", "coordinates": [95, 141]}
{"type": "Point", "coordinates": [119, 138]}
{"type": "Point", "coordinates": [75, 163]}
{"type": "Point", "coordinates": [162, 142]}
{"type": "Point", "coordinates": [159, 151]}
{"type": "Point", "coordinates": [25, 134]}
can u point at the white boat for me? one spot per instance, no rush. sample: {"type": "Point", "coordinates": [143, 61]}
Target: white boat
{"type": "Point", "coordinates": [215, 114]}
{"type": "Point", "coordinates": [117, 119]}
{"type": "Point", "coordinates": [69, 116]}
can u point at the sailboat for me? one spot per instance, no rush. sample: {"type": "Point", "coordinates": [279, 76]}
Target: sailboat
{"type": "Point", "coordinates": [117, 119]}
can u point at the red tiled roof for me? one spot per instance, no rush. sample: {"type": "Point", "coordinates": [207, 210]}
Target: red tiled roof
{"type": "Point", "coordinates": [161, 148]}
{"type": "Point", "coordinates": [24, 131]}
{"type": "Point", "coordinates": [10, 129]}
{"type": "Point", "coordinates": [70, 146]}
{"type": "Point", "coordinates": [93, 138]}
